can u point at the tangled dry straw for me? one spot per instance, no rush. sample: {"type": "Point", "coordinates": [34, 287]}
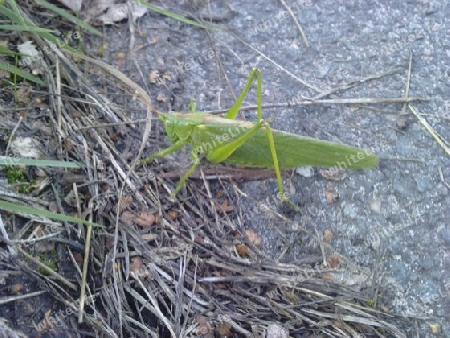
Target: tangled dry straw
{"type": "Point", "coordinates": [183, 275]}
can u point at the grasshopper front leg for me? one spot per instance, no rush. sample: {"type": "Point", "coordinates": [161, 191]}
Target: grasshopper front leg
{"type": "Point", "coordinates": [183, 180]}
{"type": "Point", "coordinates": [176, 146]}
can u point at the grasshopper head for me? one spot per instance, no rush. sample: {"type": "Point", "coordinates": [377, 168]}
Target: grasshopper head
{"type": "Point", "coordinates": [170, 126]}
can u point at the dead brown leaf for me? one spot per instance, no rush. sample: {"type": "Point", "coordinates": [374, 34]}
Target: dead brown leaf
{"type": "Point", "coordinates": [173, 214]}
{"type": "Point", "coordinates": [328, 236]}
{"type": "Point", "coordinates": [44, 246]}
{"type": "Point", "coordinates": [204, 326]}
{"type": "Point", "coordinates": [23, 95]}
{"type": "Point", "coordinates": [154, 39]}
{"type": "Point", "coordinates": [136, 264]}
{"type": "Point", "coordinates": [333, 175]}
{"type": "Point", "coordinates": [331, 194]}
{"type": "Point", "coordinates": [223, 330]}
{"type": "Point", "coordinates": [333, 261]}
{"type": "Point", "coordinates": [384, 309]}
{"type": "Point", "coordinates": [16, 288]}
{"type": "Point", "coordinates": [243, 250]}
{"type": "Point", "coordinates": [154, 76]}
{"type": "Point", "coordinates": [253, 237]}
{"type": "Point", "coordinates": [144, 219]}
{"type": "Point", "coordinates": [161, 98]}
{"type": "Point", "coordinates": [224, 207]}
{"type": "Point", "coordinates": [125, 202]}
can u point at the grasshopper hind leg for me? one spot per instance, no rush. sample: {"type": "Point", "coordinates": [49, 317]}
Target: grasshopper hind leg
{"type": "Point", "coordinates": [256, 73]}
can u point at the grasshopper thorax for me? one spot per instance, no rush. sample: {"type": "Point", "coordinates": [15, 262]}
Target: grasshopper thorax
{"type": "Point", "coordinates": [179, 126]}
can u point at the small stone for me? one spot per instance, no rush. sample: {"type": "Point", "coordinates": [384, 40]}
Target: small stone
{"type": "Point", "coordinates": [401, 123]}
{"type": "Point", "coordinates": [375, 205]}
{"type": "Point", "coordinates": [276, 331]}
{"type": "Point", "coordinates": [305, 171]}
{"type": "Point", "coordinates": [26, 147]}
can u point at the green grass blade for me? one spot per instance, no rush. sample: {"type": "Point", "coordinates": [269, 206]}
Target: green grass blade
{"type": "Point", "coordinates": [22, 73]}
{"type": "Point", "coordinates": [173, 15]}
{"type": "Point", "coordinates": [5, 51]}
{"type": "Point", "coordinates": [16, 208]}
{"type": "Point", "coordinates": [5, 160]}
{"type": "Point", "coordinates": [68, 16]}
{"type": "Point", "coordinates": [14, 16]}
{"type": "Point", "coordinates": [21, 28]}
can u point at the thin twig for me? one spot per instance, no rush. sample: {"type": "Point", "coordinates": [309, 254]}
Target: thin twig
{"type": "Point", "coordinates": [297, 24]}
{"type": "Point", "coordinates": [13, 134]}
{"type": "Point", "coordinates": [6, 300]}
{"type": "Point", "coordinates": [367, 100]}
{"type": "Point", "coordinates": [442, 142]}
{"type": "Point", "coordinates": [407, 82]}
{"type": "Point", "coordinates": [47, 269]}
{"type": "Point", "coordinates": [441, 175]}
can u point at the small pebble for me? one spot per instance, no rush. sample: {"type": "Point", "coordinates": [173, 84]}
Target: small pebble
{"type": "Point", "coordinates": [305, 171]}
{"type": "Point", "coordinates": [375, 205]}
{"type": "Point", "coordinates": [401, 123]}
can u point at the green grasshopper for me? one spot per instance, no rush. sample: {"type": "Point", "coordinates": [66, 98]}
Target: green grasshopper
{"type": "Point", "coordinates": [231, 141]}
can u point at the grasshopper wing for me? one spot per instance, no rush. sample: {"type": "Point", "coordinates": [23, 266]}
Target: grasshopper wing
{"type": "Point", "coordinates": [295, 151]}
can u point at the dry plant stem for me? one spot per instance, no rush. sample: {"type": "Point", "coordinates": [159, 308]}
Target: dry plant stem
{"type": "Point", "coordinates": [3, 232]}
{"type": "Point", "coordinates": [297, 24]}
{"type": "Point", "coordinates": [77, 198]}
{"type": "Point", "coordinates": [87, 248]}
{"type": "Point", "coordinates": [138, 90]}
{"type": "Point", "coordinates": [9, 299]}
{"type": "Point", "coordinates": [58, 97]}
{"type": "Point", "coordinates": [60, 208]}
{"type": "Point", "coordinates": [321, 93]}
{"type": "Point", "coordinates": [351, 84]}
{"type": "Point", "coordinates": [407, 82]}
{"type": "Point", "coordinates": [439, 139]}
{"type": "Point", "coordinates": [12, 134]}
{"type": "Point", "coordinates": [154, 308]}
{"type": "Point", "coordinates": [208, 191]}
{"type": "Point", "coordinates": [14, 197]}
{"type": "Point", "coordinates": [47, 269]}
{"type": "Point", "coordinates": [284, 70]}
{"type": "Point", "coordinates": [324, 256]}
{"type": "Point", "coordinates": [441, 175]}
{"type": "Point", "coordinates": [406, 159]}
{"type": "Point", "coordinates": [367, 100]}
{"type": "Point", "coordinates": [35, 240]}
